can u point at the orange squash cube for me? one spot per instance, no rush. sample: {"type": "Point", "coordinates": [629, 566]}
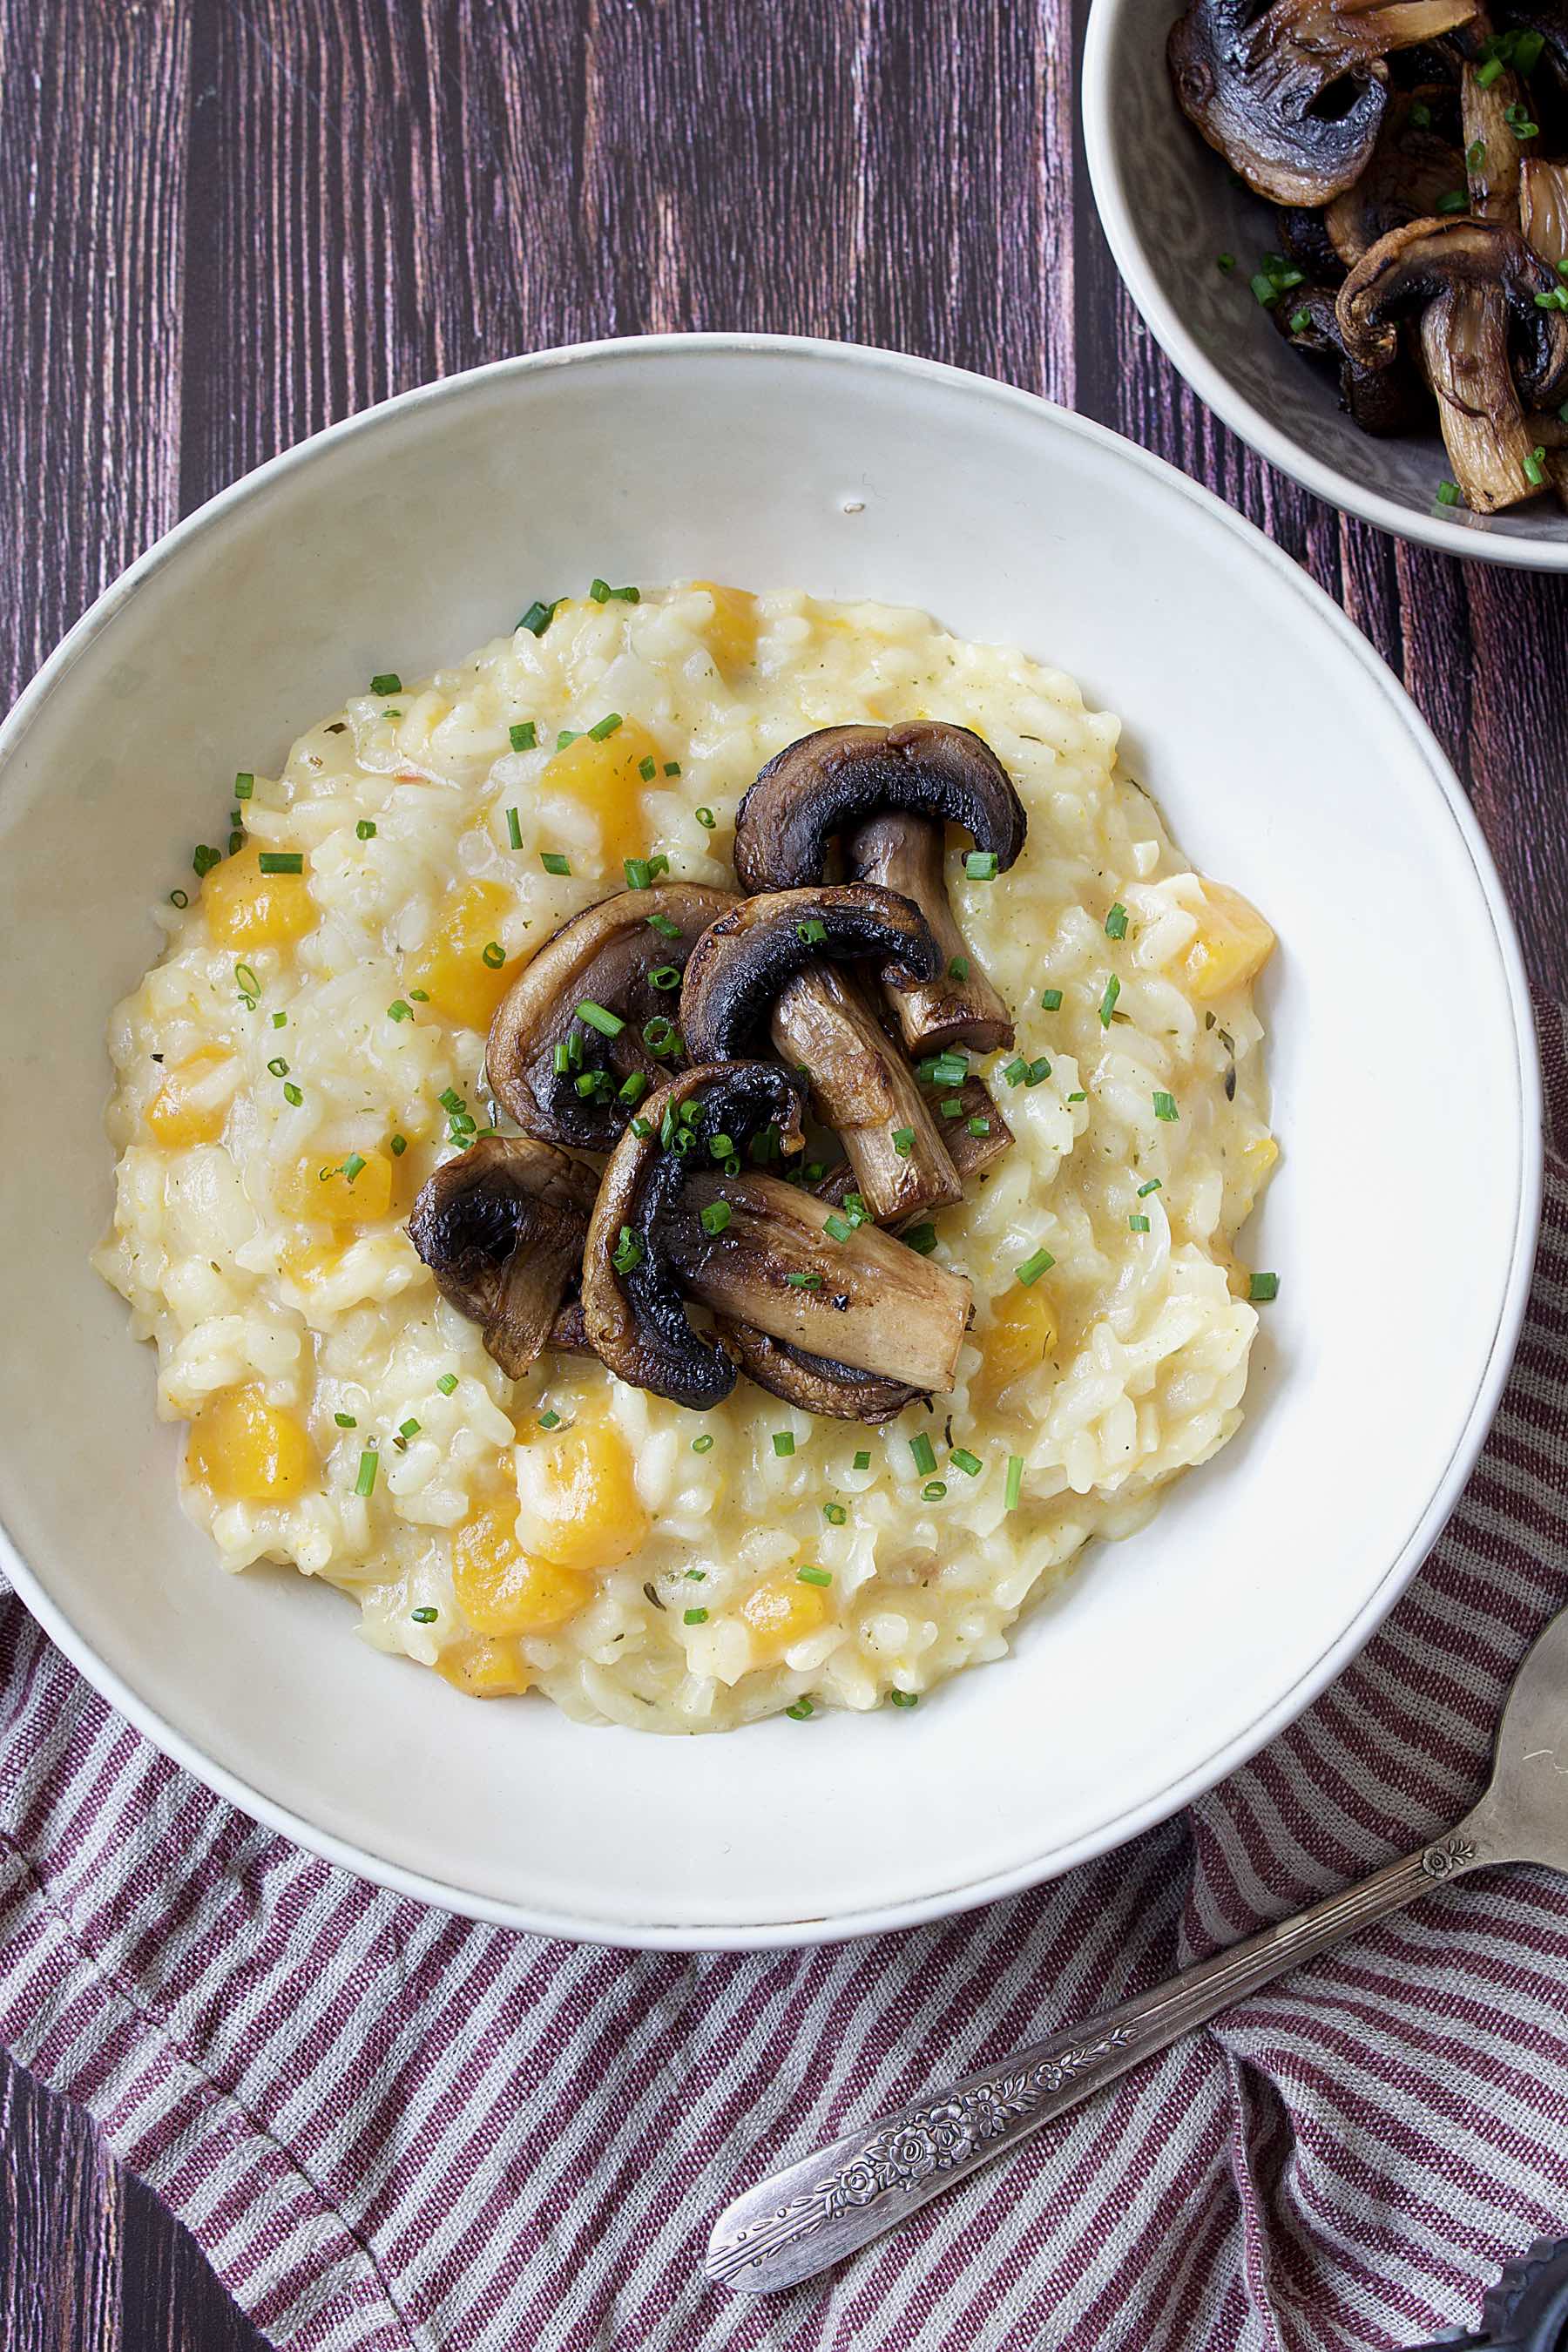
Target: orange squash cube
{"type": "Point", "coordinates": [500, 1589]}
{"type": "Point", "coordinates": [332, 1188]}
{"type": "Point", "coordinates": [781, 1611]}
{"type": "Point", "coordinates": [578, 1503]}
{"type": "Point", "coordinates": [460, 966]}
{"type": "Point", "coordinates": [607, 780]}
{"type": "Point", "coordinates": [243, 1449]}
{"type": "Point", "coordinates": [732, 635]}
{"type": "Point", "coordinates": [191, 1104]}
{"type": "Point", "coordinates": [1232, 945]}
{"type": "Point", "coordinates": [246, 910]}
{"type": "Point", "coordinates": [484, 1669]}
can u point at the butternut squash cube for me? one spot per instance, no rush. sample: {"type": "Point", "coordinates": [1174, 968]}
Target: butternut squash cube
{"type": "Point", "coordinates": [732, 635]}
{"type": "Point", "coordinates": [484, 1669]}
{"type": "Point", "coordinates": [246, 910]}
{"type": "Point", "coordinates": [1232, 945]}
{"type": "Point", "coordinates": [1021, 1334]}
{"type": "Point", "coordinates": [329, 1186]}
{"type": "Point", "coordinates": [243, 1449]}
{"type": "Point", "coordinates": [191, 1104]}
{"type": "Point", "coordinates": [781, 1611]}
{"type": "Point", "coordinates": [452, 967]}
{"type": "Point", "coordinates": [605, 779]}
{"type": "Point", "coordinates": [500, 1590]}
{"type": "Point", "coordinates": [578, 1503]}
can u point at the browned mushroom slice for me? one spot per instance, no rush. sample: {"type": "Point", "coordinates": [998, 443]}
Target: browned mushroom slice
{"type": "Point", "coordinates": [816, 1383]}
{"type": "Point", "coordinates": [763, 966]}
{"type": "Point", "coordinates": [1382, 400]}
{"type": "Point", "coordinates": [1485, 341]}
{"type": "Point", "coordinates": [501, 1228]}
{"type": "Point", "coordinates": [978, 1135]}
{"type": "Point", "coordinates": [1304, 239]}
{"type": "Point", "coordinates": [1416, 163]}
{"type": "Point", "coordinates": [865, 1302]}
{"type": "Point", "coordinates": [1489, 108]}
{"type": "Point", "coordinates": [1292, 97]}
{"type": "Point", "coordinates": [889, 791]}
{"type": "Point", "coordinates": [576, 1080]}
{"type": "Point", "coordinates": [668, 1226]}
{"type": "Point", "coordinates": [1544, 213]}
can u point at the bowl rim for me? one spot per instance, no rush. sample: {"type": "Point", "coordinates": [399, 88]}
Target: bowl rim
{"type": "Point", "coordinates": [1229, 1753]}
{"type": "Point", "coordinates": [1117, 219]}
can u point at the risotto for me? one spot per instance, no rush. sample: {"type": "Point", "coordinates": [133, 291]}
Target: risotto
{"type": "Point", "coordinates": [310, 1048]}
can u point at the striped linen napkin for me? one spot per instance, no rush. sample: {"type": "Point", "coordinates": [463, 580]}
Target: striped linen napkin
{"type": "Point", "coordinates": [389, 2128]}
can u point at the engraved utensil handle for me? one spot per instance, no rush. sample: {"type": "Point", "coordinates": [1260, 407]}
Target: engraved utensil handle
{"type": "Point", "coordinates": [813, 2213]}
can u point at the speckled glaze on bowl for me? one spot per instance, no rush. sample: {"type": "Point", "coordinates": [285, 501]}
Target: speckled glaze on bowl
{"type": "Point", "coordinates": [409, 534]}
{"type": "Point", "coordinates": [1169, 208]}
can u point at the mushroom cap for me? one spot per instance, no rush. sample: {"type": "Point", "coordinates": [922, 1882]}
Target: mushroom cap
{"type": "Point", "coordinates": [501, 1227]}
{"type": "Point", "coordinates": [636, 1315]}
{"type": "Point", "coordinates": [605, 956]}
{"type": "Point", "coordinates": [816, 1383]}
{"type": "Point", "coordinates": [1383, 400]}
{"type": "Point", "coordinates": [831, 781]}
{"type": "Point", "coordinates": [743, 962]}
{"type": "Point", "coordinates": [1408, 270]}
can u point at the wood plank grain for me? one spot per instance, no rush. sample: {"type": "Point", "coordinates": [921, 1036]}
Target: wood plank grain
{"type": "Point", "coordinates": [225, 223]}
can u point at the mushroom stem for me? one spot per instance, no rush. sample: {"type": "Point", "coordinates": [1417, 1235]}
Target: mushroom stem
{"type": "Point", "coordinates": [1492, 150]}
{"type": "Point", "coordinates": [959, 1006]}
{"type": "Point", "coordinates": [1464, 352]}
{"type": "Point", "coordinates": [863, 1087]}
{"type": "Point", "coordinates": [1543, 214]}
{"type": "Point", "coordinates": [867, 1302]}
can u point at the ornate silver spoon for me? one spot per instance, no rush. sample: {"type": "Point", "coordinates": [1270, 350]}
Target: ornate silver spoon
{"type": "Point", "coordinates": [810, 2215]}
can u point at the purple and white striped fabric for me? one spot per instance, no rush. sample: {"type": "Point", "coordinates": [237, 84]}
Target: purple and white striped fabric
{"type": "Point", "coordinates": [394, 2130]}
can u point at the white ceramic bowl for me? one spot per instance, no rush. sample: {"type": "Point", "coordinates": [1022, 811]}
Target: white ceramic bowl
{"type": "Point", "coordinates": [1290, 762]}
{"type": "Point", "coordinates": [1169, 208]}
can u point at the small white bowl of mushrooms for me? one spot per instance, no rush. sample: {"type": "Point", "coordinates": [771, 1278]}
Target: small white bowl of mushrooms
{"type": "Point", "coordinates": [1347, 228]}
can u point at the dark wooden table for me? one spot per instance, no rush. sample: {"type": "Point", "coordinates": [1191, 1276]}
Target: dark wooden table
{"type": "Point", "coordinates": [225, 223]}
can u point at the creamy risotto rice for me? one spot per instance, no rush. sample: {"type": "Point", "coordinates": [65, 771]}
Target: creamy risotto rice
{"type": "Point", "coordinates": [293, 1066]}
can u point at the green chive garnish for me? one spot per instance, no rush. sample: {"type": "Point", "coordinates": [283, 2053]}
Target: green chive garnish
{"type": "Point", "coordinates": [648, 769]}
{"type": "Point", "coordinates": [834, 1514]}
{"type": "Point", "coordinates": [921, 1238]}
{"type": "Point", "coordinates": [703, 1444]}
{"type": "Point", "coordinates": [538, 617]}
{"type": "Point", "coordinates": [608, 1024]}
{"type": "Point", "coordinates": [695, 1617]}
{"type": "Point", "coordinates": [493, 954]}
{"type": "Point", "coordinates": [204, 860]}
{"type": "Point", "coordinates": [549, 1418]}
{"type": "Point", "coordinates": [553, 862]}
{"type": "Point", "coordinates": [1015, 1486]}
{"type": "Point", "coordinates": [1263, 1286]}
{"type": "Point", "coordinates": [838, 1228]}
{"type": "Point", "coordinates": [386, 682]}
{"type": "Point", "coordinates": [1107, 1001]}
{"type": "Point", "coordinates": [1165, 1106]}
{"type": "Point", "coordinates": [1226, 262]}
{"type": "Point", "coordinates": [1032, 1268]}
{"type": "Point", "coordinates": [716, 1216]}
{"type": "Point", "coordinates": [980, 865]}
{"type": "Point", "coordinates": [804, 1281]}
{"type": "Point", "coordinates": [292, 1096]}
{"type": "Point", "coordinates": [345, 1420]}
{"type": "Point", "coordinates": [801, 1711]}
{"type": "Point", "coordinates": [934, 1490]}
{"type": "Point", "coordinates": [1152, 1186]}
{"type": "Point", "coordinates": [903, 1698]}
{"type": "Point", "coordinates": [365, 829]}
{"type": "Point", "coordinates": [523, 734]}
{"type": "Point", "coordinates": [1116, 922]}
{"type": "Point", "coordinates": [959, 968]}
{"type": "Point", "coordinates": [399, 1011]}
{"type": "Point", "coordinates": [814, 1576]}
{"type": "Point", "coordinates": [408, 1429]}
{"type": "Point", "coordinates": [1050, 999]}
{"type": "Point", "coordinates": [783, 1444]}
{"type": "Point", "coordinates": [603, 728]}
{"type": "Point", "coordinates": [903, 1142]}
{"type": "Point", "coordinates": [628, 1252]}
{"type": "Point", "coordinates": [862, 1459]}
{"type": "Point", "coordinates": [423, 1616]}
{"type": "Point", "coordinates": [705, 816]}
{"type": "Point", "coordinates": [354, 1165]}
{"type": "Point", "coordinates": [244, 785]}
{"type": "Point", "coordinates": [447, 1383]}
{"type": "Point", "coordinates": [513, 830]}
{"type": "Point", "coordinates": [282, 861]}
{"type": "Point", "coordinates": [925, 1456]}
{"type": "Point", "coordinates": [961, 1459]}
{"type": "Point", "coordinates": [366, 1479]}
{"type": "Point", "coordinates": [1138, 1224]}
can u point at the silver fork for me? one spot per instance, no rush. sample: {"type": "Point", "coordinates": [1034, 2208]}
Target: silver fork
{"type": "Point", "coordinates": [813, 2212]}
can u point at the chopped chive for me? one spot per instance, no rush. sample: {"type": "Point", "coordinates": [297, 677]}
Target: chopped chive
{"type": "Point", "coordinates": [783, 1444]}
{"type": "Point", "coordinates": [626, 595]}
{"type": "Point", "coordinates": [447, 1383]}
{"type": "Point", "coordinates": [660, 1036]}
{"type": "Point", "coordinates": [804, 1281]}
{"type": "Point", "coordinates": [959, 968]}
{"type": "Point", "coordinates": [365, 829]}
{"type": "Point", "coordinates": [834, 1514]}
{"type": "Point", "coordinates": [921, 1238]}
{"type": "Point", "coordinates": [513, 830]}
{"type": "Point", "coordinates": [245, 979]}
{"type": "Point", "coordinates": [980, 865]}
{"type": "Point", "coordinates": [628, 1252]}
{"type": "Point", "coordinates": [1475, 154]}
{"type": "Point", "coordinates": [366, 1479]}
{"type": "Point", "coordinates": [1050, 999]}
{"type": "Point", "coordinates": [814, 1576]}
{"type": "Point", "coordinates": [282, 861]}
{"type": "Point", "coordinates": [179, 897]}
{"type": "Point", "coordinates": [1224, 262]}
{"type": "Point", "coordinates": [1457, 200]}
{"type": "Point", "coordinates": [838, 1228]}
{"type": "Point", "coordinates": [523, 735]}
{"type": "Point", "coordinates": [600, 591]}
{"type": "Point", "coordinates": [705, 816]}
{"type": "Point", "coordinates": [538, 617]}
{"type": "Point", "coordinates": [345, 1420]}
{"type": "Point", "coordinates": [1017, 1071]}
{"type": "Point", "coordinates": [1533, 463]}
{"type": "Point", "coordinates": [424, 1616]}
{"type": "Point", "coordinates": [664, 926]}
{"type": "Point", "coordinates": [549, 1418]}
{"type": "Point", "coordinates": [812, 932]}
{"type": "Point", "coordinates": [801, 1711]}
{"type": "Point", "coordinates": [697, 1575]}
{"type": "Point", "coordinates": [493, 954]}
{"type": "Point", "coordinates": [553, 862]}
{"type": "Point", "coordinates": [1032, 1268]}
{"type": "Point", "coordinates": [1015, 1486]}
{"type": "Point", "coordinates": [946, 1069]}
{"type": "Point", "coordinates": [244, 785]}
{"type": "Point", "coordinates": [386, 681]}
{"type": "Point", "coordinates": [1116, 922]}
{"type": "Point", "coordinates": [561, 1056]}
{"type": "Point", "coordinates": [608, 1024]}
{"type": "Point", "coordinates": [703, 1444]}
{"type": "Point", "coordinates": [641, 1129]}
{"type": "Point", "coordinates": [862, 1459]}
{"type": "Point", "coordinates": [638, 872]}
{"type": "Point", "coordinates": [647, 769]}
{"type": "Point", "coordinates": [1264, 290]}
{"type": "Point", "coordinates": [1152, 1186]}
{"type": "Point", "coordinates": [978, 1125]}
{"type": "Point", "coordinates": [603, 728]}
{"type": "Point", "coordinates": [695, 1617]}
{"type": "Point", "coordinates": [202, 860]}
{"type": "Point", "coordinates": [1039, 1068]}
{"type": "Point", "coordinates": [933, 1490]}
{"type": "Point", "coordinates": [566, 735]}
{"type": "Point", "coordinates": [354, 1165]}
{"type": "Point", "coordinates": [716, 1216]}
{"type": "Point", "coordinates": [1138, 1224]}
{"type": "Point", "coordinates": [1300, 321]}
{"type": "Point", "coordinates": [280, 1021]}
{"type": "Point", "coordinates": [903, 1698]}
{"type": "Point", "coordinates": [632, 1087]}
{"type": "Point", "coordinates": [1107, 1001]}
{"type": "Point", "coordinates": [408, 1429]}
{"type": "Point", "coordinates": [292, 1096]}
{"type": "Point", "coordinates": [1165, 1106]}
{"type": "Point", "coordinates": [903, 1142]}
{"type": "Point", "coordinates": [1078, 1096]}
{"type": "Point", "coordinates": [925, 1456]}
{"type": "Point", "coordinates": [419, 996]}
{"type": "Point", "coordinates": [1263, 1286]}
{"type": "Point", "coordinates": [397, 1146]}
{"type": "Point", "coordinates": [666, 976]}
{"type": "Point", "coordinates": [1489, 72]}
{"type": "Point", "coordinates": [278, 1066]}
